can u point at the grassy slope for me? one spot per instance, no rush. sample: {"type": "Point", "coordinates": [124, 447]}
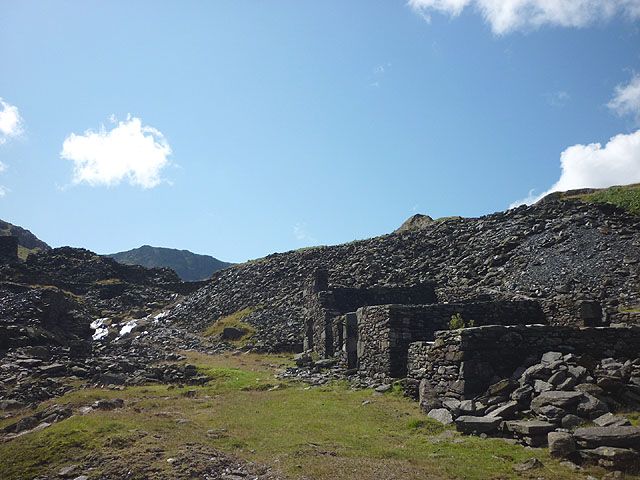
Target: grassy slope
{"type": "Point", "coordinates": [320, 433]}
{"type": "Point", "coordinates": [235, 320]}
{"type": "Point", "coordinates": [625, 196]}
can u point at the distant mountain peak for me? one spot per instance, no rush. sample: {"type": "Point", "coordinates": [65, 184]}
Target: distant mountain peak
{"type": "Point", "coordinates": [188, 265]}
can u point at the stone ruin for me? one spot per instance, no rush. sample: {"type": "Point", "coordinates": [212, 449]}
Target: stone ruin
{"type": "Point", "coordinates": [8, 249]}
{"type": "Point", "coordinates": [510, 374]}
{"type": "Point", "coordinates": [371, 329]}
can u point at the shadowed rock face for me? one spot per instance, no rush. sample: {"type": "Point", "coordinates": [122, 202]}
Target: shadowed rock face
{"type": "Point", "coordinates": [40, 316]}
{"type": "Point", "coordinates": [560, 253]}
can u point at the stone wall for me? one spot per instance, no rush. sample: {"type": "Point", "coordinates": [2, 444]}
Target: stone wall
{"type": "Point", "coordinates": [8, 249]}
{"type": "Point", "coordinates": [466, 362]}
{"type": "Point", "coordinates": [324, 305]}
{"type": "Point", "coordinates": [385, 332]}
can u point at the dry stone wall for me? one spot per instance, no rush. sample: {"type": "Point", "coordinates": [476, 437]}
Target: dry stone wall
{"type": "Point", "coordinates": [464, 363]}
{"type": "Point", "coordinates": [324, 307]}
{"type": "Point", "coordinates": [385, 332]}
{"type": "Point", "coordinates": [8, 249]}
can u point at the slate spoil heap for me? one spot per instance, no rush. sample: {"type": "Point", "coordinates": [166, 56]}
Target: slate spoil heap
{"type": "Point", "coordinates": [573, 269]}
{"type": "Point", "coordinates": [559, 253]}
{"type": "Point", "coordinates": [47, 305]}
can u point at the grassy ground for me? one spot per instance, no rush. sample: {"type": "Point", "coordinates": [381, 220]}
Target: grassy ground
{"type": "Point", "coordinates": [235, 320]}
{"type": "Point", "coordinates": [322, 432]}
{"type": "Point", "coordinates": [626, 197]}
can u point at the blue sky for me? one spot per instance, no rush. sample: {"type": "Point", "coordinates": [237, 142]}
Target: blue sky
{"type": "Point", "coordinates": [241, 128]}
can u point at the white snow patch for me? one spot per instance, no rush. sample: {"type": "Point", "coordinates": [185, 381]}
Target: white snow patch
{"type": "Point", "coordinates": [101, 330]}
{"type": "Point", "coordinates": [130, 325]}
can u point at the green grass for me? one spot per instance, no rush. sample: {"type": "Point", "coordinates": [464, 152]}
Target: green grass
{"type": "Point", "coordinates": [71, 439]}
{"type": "Point", "coordinates": [108, 281]}
{"type": "Point", "coordinates": [626, 197]}
{"type": "Point", "coordinates": [234, 320]}
{"type": "Point", "coordinates": [24, 252]}
{"type": "Point", "coordinates": [320, 433]}
{"type": "Point", "coordinates": [632, 309]}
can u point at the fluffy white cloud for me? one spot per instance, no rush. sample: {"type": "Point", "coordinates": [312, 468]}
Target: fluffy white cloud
{"type": "Point", "coordinates": [595, 166]}
{"type": "Point", "coordinates": [10, 121]}
{"type": "Point", "coordinates": [129, 151]}
{"type": "Point", "coordinates": [505, 16]}
{"type": "Point", "coordinates": [626, 99]}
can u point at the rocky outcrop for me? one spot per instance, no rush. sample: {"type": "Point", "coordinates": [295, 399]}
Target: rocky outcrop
{"type": "Point", "coordinates": [108, 288]}
{"type": "Point", "coordinates": [415, 222]}
{"type": "Point", "coordinates": [41, 316]}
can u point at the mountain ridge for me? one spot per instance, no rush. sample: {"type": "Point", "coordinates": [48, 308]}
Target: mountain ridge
{"type": "Point", "coordinates": [188, 265]}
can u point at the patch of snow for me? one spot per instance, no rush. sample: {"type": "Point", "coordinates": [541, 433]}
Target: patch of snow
{"type": "Point", "coordinates": [98, 322]}
{"type": "Point", "coordinates": [101, 330]}
{"type": "Point", "coordinates": [130, 325]}
{"type": "Point", "coordinates": [160, 316]}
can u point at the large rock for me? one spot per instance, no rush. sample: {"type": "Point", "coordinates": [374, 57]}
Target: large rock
{"type": "Point", "coordinates": [508, 411]}
{"type": "Point", "coordinates": [593, 437]}
{"type": "Point", "coordinates": [563, 400]}
{"type": "Point", "coordinates": [612, 457]}
{"type": "Point", "coordinates": [472, 424]}
{"type": "Point", "coordinates": [561, 444]}
{"type": "Point", "coordinates": [591, 407]}
{"type": "Point", "coordinates": [442, 415]}
{"type": "Point", "coordinates": [530, 428]}
{"type": "Point", "coordinates": [232, 333]}
{"type": "Point", "coordinates": [611, 420]}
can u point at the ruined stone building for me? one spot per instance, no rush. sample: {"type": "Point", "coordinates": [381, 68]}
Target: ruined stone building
{"type": "Point", "coordinates": [397, 332]}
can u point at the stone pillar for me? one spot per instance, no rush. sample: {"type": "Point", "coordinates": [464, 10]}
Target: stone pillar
{"type": "Point", "coordinates": [317, 282]}
{"type": "Point", "coordinates": [8, 249]}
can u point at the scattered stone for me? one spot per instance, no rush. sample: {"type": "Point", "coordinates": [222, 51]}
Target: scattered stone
{"type": "Point", "coordinates": [561, 444]}
{"type": "Point", "coordinates": [442, 415]}
{"type": "Point", "coordinates": [383, 388]}
{"type": "Point", "coordinates": [556, 399]}
{"type": "Point", "coordinates": [593, 437]}
{"type": "Point", "coordinates": [232, 333]}
{"type": "Point", "coordinates": [508, 411]}
{"type": "Point", "coordinates": [611, 420]}
{"type": "Point", "coordinates": [108, 404]}
{"type": "Point", "coordinates": [571, 421]}
{"type": "Point", "coordinates": [591, 407]}
{"type": "Point", "coordinates": [612, 457]}
{"type": "Point", "coordinates": [68, 472]}
{"type": "Point", "coordinates": [530, 428]}
{"type": "Point", "coordinates": [531, 464]}
{"type": "Point", "coordinates": [473, 424]}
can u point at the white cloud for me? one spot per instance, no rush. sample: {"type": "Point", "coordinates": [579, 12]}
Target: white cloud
{"type": "Point", "coordinates": [506, 16]}
{"type": "Point", "coordinates": [301, 233]}
{"type": "Point", "coordinates": [129, 151]}
{"type": "Point", "coordinates": [595, 166]}
{"type": "Point", "coordinates": [626, 99]}
{"type": "Point", "coordinates": [557, 99]}
{"type": "Point", "coordinates": [11, 124]}
{"type": "Point", "coordinates": [378, 73]}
